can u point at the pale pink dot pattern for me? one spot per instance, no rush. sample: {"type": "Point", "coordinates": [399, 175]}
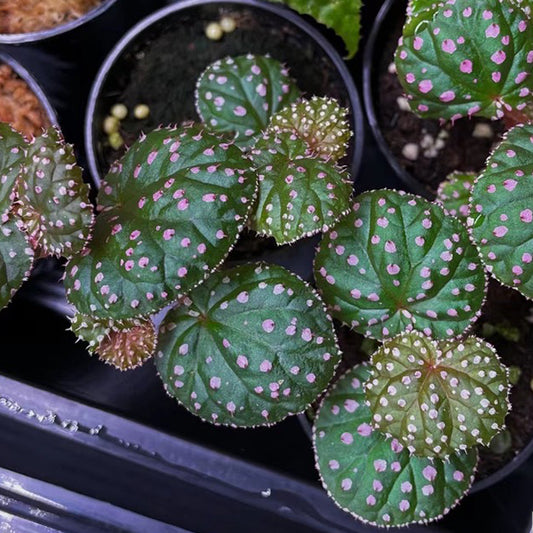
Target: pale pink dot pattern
{"type": "Point", "coordinates": [498, 57]}
{"type": "Point", "coordinates": [458, 475]}
{"type": "Point", "coordinates": [242, 361]}
{"type": "Point", "coordinates": [425, 86]}
{"type": "Point", "coordinates": [268, 325]}
{"type": "Point", "coordinates": [380, 465]}
{"type": "Point", "coordinates": [371, 500]}
{"type": "Point", "coordinates": [448, 46]}
{"type": "Point", "coordinates": [265, 366]}
{"type": "Point", "coordinates": [447, 96]}
{"type": "Point", "coordinates": [215, 383]}
{"type": "Point", "coordinates": [526, 216]}
{"type": "Point", "coordinates": [466, 66]}
{"type": "Point", "coordinates": [347, 438]}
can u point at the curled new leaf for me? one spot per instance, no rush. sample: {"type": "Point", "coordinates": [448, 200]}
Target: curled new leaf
{"type": "Point", "coordinates": [397, 262]}
{"type": "Point", "coordinates": [248, 347]}
{"type": "Point", "coordinates": [239, 95]}
{"type": "Point", "coordinates": [376, 479]}
{"type": "Point", "coordinates": [467, 58]}
{"type": "Point", "coordinates": [320, 122]}
{"type": "Point", "coordinates": [299, 193]}
{"type": "Point", "coordinates": [124, 344]}
{"type": "Point", "coordinates": [172, 209]}
{"type": "Point", "coordinates": [501, 222]}
{"type": "Point", "coordinates": [454, 194]}
{"type": "Point", "coordinates": [437, 397]}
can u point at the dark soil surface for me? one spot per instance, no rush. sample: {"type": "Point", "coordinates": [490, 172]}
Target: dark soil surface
{"type": "Point", "coordinates": [461, 151]}
{"type": "Point", "coordinates": [162, 65]}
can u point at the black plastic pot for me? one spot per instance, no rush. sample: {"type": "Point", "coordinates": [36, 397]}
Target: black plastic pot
{"type": "Point", "coordinates": [392, 10]}
{"type": "Point", "coordinates": [23, 38]}
{"type": "Point", "coordinates": [297, 257]}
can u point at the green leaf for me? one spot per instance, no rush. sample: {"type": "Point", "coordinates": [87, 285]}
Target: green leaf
{"type": "Point", "coordinates": [373, 478]}
{"type": "Point", "coordinates": [52, 199]}
{"type": "Point", "coordinates": [124, 344]}
{"type": "Point", "coordinates": [172, 208]}
{"type": "Point", "coordinates": [342, 16]}
{"type": "Point", "coordinates": [248, 347]}
{"type": "Point", "coordinates": [438, 397]}
{"type": "Point", "coordinates": [467, 59]}
{"type": "Point", "coordinates": [299, 194]}
{"type": "Point", "coordinates": [320, 122]}
{"type": "Point", "coordinates": [454, 194]}
{"type": "Point", "coordinates": [240, 94]}
{"type": "Point", "coordinates": [16, 260]}
{"type": "Point", "coordinates": [12, 155]}
{"type": "Point", "coordinates": [501, 223]}
{"type": "Point", "coordinates": [396, 263]}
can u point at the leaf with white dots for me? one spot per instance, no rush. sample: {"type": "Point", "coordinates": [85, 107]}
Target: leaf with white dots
{"type": "Point", "coordinates": [248, 347]}
{"type": "Point", "coordinates": [12, 154]}
{"type": "Point", "coordinates": [375, 479]}
{"type": "Point", "coordinates": [240, 94]}
{"type": "Point", "coordinates": [16, 260]}
{"type": "Point", "coordinates": [321, 122]}
{"type": "Point", "coordinates": [396, 263]}
{"type": "Point", "coordinates": [172, 209]}
{"type": "Point", "coordinates": [124, 344]}
{"type": "Point", "coordinates": [52, 199]}
{"type": "Point", "coordinates": [467, 59]}
{"type": "Point", "coordinates": [501, 222]}
{"type": "Point", "coordinates": [299, 194]}
{"type": "Point", "coordinates": [438, 397]}
{"type": "Point", "coordinates": [454, 194]}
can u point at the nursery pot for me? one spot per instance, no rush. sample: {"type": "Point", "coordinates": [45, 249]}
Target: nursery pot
{"type": "Point", "coordinates": [298, 45]}
{"type": "Point", "coordinates": [32, 84]}
{"type": "Point", "coordinates": [435, 149]}
{"type": "Point", "coordinates": [42, 35]}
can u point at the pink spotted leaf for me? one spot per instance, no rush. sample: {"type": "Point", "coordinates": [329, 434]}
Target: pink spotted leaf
{"type": "Point", "coordinates": [501, 222]}
{"type": "Point", "coordinates": [321, 122]}
{"type": "Point", "coordinates": [124, 344]}
{"type": "Point", "coordinates": [171, 210]}
{"type": "Point", "coordinates": [16, 260]}
{"type": "Point", "coordinates": [248, 347]}
{"type": "Point", "coordinates": [468, 58]}
{"type": "Point", "coordinates": [375, 479]}
{"type": "Point", "coordinates": [397, 262]}
{"type": "Point", "coordinates": [454, 194]}
{"type": "Point", "coordinates": [239, 95]}
{"type": "Point", "coordinates": [52, 199]}
{"type": "Point", "coordinates": [12, 154]}
{"type": "Point", "coordinates": [300, 194]}
{"type": "Point", "coordinates": [438, 397]}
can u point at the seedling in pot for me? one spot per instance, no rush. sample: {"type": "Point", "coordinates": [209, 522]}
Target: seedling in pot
{"type": "Point", "coordinates": [244, 346]}
{"type": "Point", "coordinates": [395, 439]}
{"type": "Point", "coordinates": [463, 59]}
{"type": "Point", "coordinates": [44, 204]}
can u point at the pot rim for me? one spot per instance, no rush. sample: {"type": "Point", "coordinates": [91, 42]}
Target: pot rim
{"type": "Point", "coordinates": [369, 67]}
{"type": "Point", "coordinates": [280, 11]}
{"type": "Point", "coordinates": [41, 35]}
{"type": "Point", "coordinates": [24, 74]}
